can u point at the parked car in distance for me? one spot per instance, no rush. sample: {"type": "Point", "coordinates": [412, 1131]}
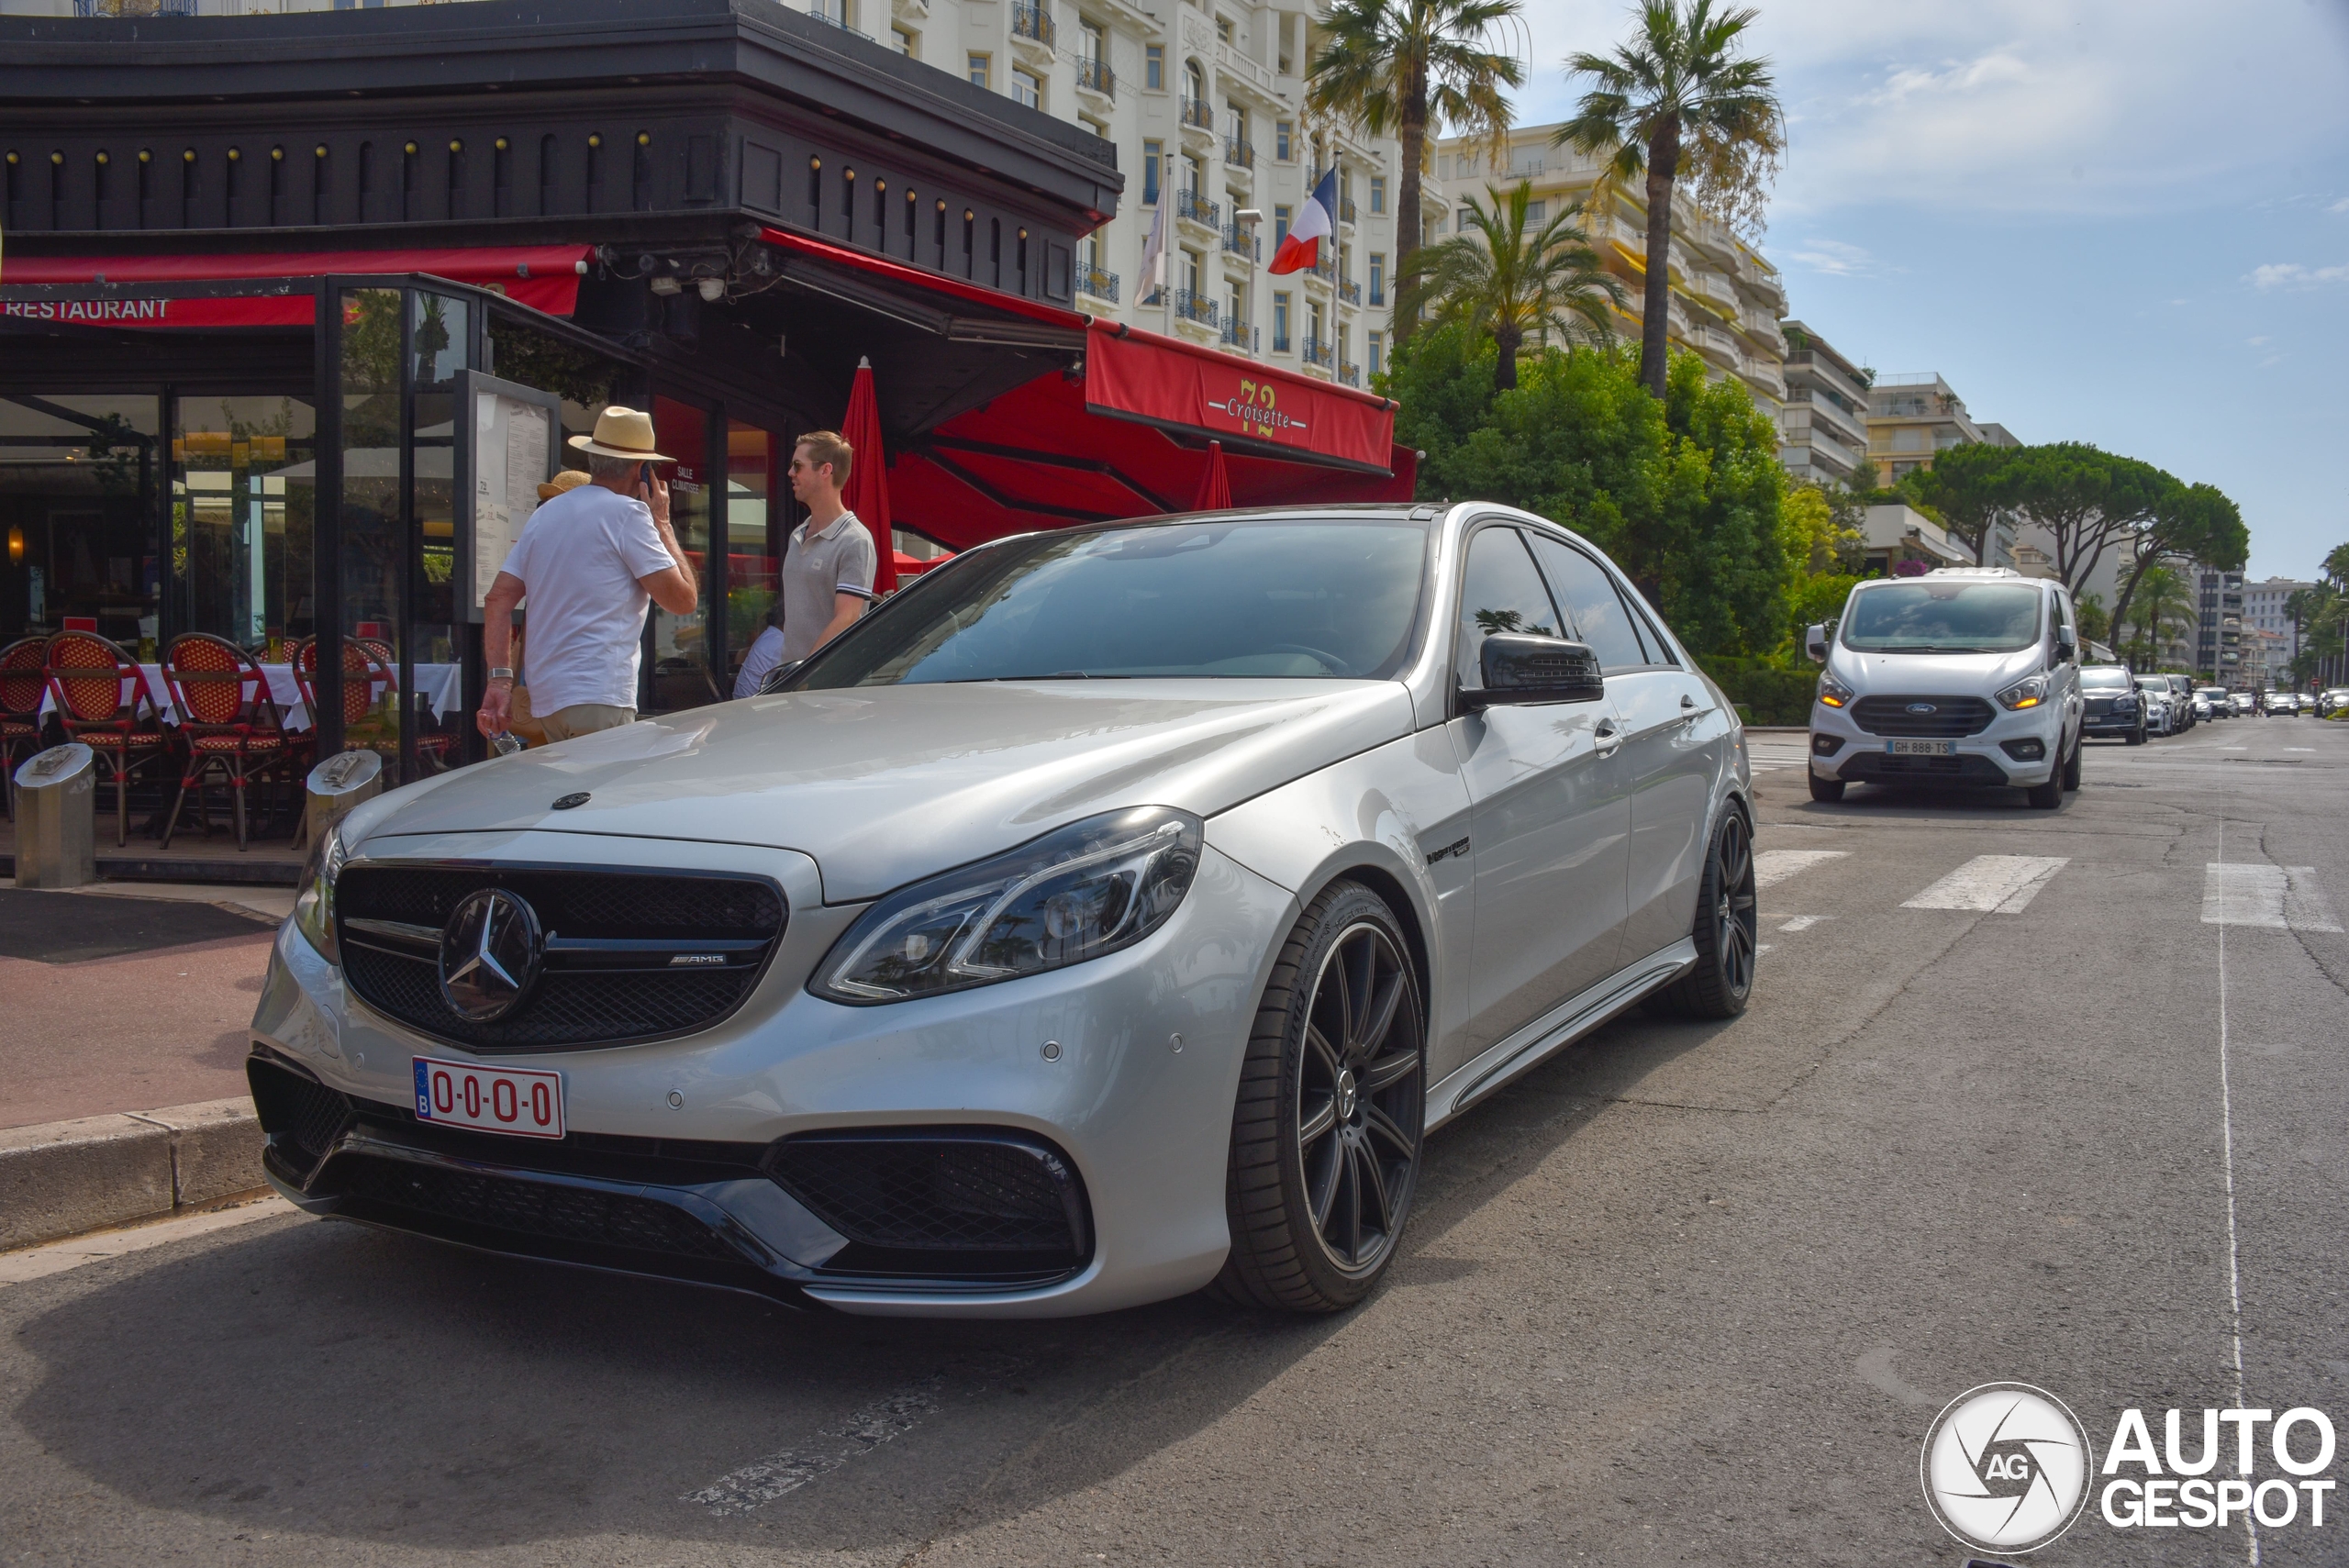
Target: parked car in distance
{"type": "Point", "coordinates": [2202, 707]}
{"type": "Point", "coordinates": [1087, 925]}
{"type": "Point", "coordinates": [2243, 702]}
{"type": "Point", "coordinates": [2305, 701]}
{"type": "Point", "coordinates": [2277, 704]}
{"type": "Point", "coordinates": [2329, 703]}
{"type": "Point", "coordinates": [2111, 709]}
{"type": "Point", "coordinates": [2161, 711]}
{"type": "Point", "coordinates": [2221, 706]}
{"type": "Point", "coordinates": [2181, 700]}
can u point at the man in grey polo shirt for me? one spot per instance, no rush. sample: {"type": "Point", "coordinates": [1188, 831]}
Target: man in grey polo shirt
{"type": "Point", "coordinates": [827, 567]}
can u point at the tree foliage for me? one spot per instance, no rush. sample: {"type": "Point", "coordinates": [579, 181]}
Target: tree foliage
{"type": "Point", "coordinates": [1965, 491]}
{"type": "Point", "coordinates": [1686, 494]}
{"type": "Point", "coordinates": [1498, 281]}
{"type": "Point", "coordinates": [2196, 522]}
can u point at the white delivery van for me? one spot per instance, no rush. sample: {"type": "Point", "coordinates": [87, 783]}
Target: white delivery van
{"type": "Point", "coordinates": [1964, 676]}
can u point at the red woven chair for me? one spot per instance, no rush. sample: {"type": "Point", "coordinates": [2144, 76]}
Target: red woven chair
{"type": "Point", "coordinates": [99, 691]}
{"type": "Point", "coordinates": [228, 719]}
{"type": "Point", "coordinates": [21, 689]}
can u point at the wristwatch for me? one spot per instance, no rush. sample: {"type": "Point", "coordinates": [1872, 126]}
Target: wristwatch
{"type": "Point", "coordinates": [500, 673]}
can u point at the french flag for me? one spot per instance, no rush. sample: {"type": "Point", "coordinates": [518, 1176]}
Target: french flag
{"type": "Point", "coordinates": [1302, 249]}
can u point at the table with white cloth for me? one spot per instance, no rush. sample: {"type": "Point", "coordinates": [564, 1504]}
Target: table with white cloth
{"type": "Point", "coordinates": [441, 687]}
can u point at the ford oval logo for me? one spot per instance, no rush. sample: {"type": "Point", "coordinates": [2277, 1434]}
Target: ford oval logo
{"type": "Point", "coordinates": [1923, 707]}
{"type": "Point", "coordinates": [490, 954]}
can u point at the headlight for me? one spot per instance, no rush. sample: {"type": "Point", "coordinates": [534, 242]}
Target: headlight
{"type": "Point", "coordinates": [1078, 893]}
{"type": "Point", "coordinates": [314, 907]}
{"type": "Point", "coordinates": [1832, 692]}
{"type": "Point", "coordinates": [2125, 704]}
{"type": "Point", "coordinates": [2029, 692]}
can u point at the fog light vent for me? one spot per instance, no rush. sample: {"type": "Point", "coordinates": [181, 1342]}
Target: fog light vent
{"type": "Point", "coordinates": [1825, 745]}
{"type": "Point", "coordinates": [2025, 751]}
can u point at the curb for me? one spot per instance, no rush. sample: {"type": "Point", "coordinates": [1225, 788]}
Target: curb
{"type": "Point", "coordinates": [66, 1177]}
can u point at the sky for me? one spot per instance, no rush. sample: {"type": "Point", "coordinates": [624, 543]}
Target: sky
{"type": "Point", "coordinates": [2117, 221]}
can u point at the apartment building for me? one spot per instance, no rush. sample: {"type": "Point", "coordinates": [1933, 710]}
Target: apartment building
{"type": "Point", "coordinates": [1912, 417]}
{"type": "Point", "coordinates": [1205, 102]}
{"type": "Point", "coordinates": [1726, 301]}
{"type": "Point", "coordinates": [2264, 610]}
{"type": "Point", "coordinates": [2218, 652]}
{"type": "Point", "coordinates": [1823, 429]}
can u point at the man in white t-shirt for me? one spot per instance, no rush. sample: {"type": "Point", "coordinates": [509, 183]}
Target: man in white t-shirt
{"type": "Point", "coordinates": [588, 562]}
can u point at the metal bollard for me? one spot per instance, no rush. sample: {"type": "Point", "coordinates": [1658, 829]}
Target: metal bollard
{"type": "Point", "coordinates": [57, 797]}
{"type": "Point", "coordinates": [336, 787]}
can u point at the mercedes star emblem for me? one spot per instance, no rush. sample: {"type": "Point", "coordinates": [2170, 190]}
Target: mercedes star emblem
{"type": "Point", "coordinates": [490, 955]}
{"type": "Point", "coordinates": [566, 803]}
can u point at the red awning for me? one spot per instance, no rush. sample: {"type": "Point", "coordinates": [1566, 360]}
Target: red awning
{"type": "Point", "coordinates": [544, 277]}
{"type": "Point", "coordinates": [1166, 382]}
{"type": "Point", "coordinates": [927, 282]}
{"type": "Point", "coordinates": [1041, 457]}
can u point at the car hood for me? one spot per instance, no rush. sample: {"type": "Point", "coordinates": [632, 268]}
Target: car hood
{"type": "Point", "coordinates": [1932, 675]}
{"type": "Point", "coordinates": [882, 785]}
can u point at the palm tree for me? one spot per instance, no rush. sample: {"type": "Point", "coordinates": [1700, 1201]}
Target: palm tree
{"type": "Point", "coordinates": [1676, 92]}
{"type": "Point", "coordinates": [1416, 66]}
{"type": "Point", "coordinates": [2162, 604]}
{"type": "Point", "coordinates": [1500, 279]}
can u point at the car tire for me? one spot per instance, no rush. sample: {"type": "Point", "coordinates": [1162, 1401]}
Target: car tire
{"type": "Point", "coordinates": [1826, 791]}
{"type": "Point", "coordinates": [1325, 1131]}
{"type": "Point", "coordinates": [2049, 796]}
{"type": "Point", "coordinates": [2137, 736]}
{"type": "Point", "coordinates": [1725, 930]}
{"type": "Point", "coordinates": [2072, 765]}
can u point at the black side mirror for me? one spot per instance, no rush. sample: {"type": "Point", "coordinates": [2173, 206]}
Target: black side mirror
{"type": "Point", "coordinates": [1523, 667]}
{"type": "Point", "coordinates": [772, 682]}
{"type": "Point", "coordinates": [1814, 642]}
{"type": "Point", "coordinates": [2065, 647]}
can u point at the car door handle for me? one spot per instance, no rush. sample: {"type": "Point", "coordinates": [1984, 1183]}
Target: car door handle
{"type": "Point", "coordinates": [1606, 739]}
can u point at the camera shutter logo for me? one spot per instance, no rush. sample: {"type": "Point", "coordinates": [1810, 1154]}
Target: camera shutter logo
{"type": "Point", "coordinates": [2005, 1467]}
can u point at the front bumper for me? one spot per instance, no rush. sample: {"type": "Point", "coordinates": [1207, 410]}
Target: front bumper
{"type": "Point", "coordinates": [671, 1168]}
{"type": "Point", "coordinates": [1841, 750]}
{"type": "Point", "coordinates": [2110, 724]}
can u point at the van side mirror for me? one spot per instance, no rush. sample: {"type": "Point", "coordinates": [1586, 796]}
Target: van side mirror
{"type": "Point", "coordinates": [2065, 647]}
{"type": "Point", "coordinates": [1521, 667]}
{"type": "Point", "coordinates": [1814, 642]}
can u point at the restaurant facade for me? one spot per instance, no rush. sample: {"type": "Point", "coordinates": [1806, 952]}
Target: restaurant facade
{"type": "Point", "coordinates": [296, 311]}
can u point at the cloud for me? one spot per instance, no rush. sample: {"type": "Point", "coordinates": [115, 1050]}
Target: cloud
{"type": "Point", "coordinates": [2341, 206]}
{"type": "Point", "coordinates": [2291, 274]}
{"type": "Point", "coordinates": [1901, 84]}
{"type": "Point", "coordinates": [1836, 259]}
{"type": "Point", "coordinates": [2255, 342]}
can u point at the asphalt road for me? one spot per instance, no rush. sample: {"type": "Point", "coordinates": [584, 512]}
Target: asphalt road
{"type": "Point", "coordinates": [1689, 1294]}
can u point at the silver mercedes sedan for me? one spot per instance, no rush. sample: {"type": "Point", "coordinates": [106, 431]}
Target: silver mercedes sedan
{"type": "Point", "coordinates": [1110, 916]}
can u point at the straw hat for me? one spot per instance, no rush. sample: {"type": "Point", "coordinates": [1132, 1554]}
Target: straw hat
{"type": "Point", "coordinates": [569, 479]}
{"type": "Point", "coordinates": [623, 433]}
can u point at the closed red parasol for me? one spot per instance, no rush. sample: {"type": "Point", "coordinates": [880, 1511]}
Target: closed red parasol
{"type": "Point", "coordinates": [867, 492]}
{"type": "Point", "coordinates": [1214, 485]}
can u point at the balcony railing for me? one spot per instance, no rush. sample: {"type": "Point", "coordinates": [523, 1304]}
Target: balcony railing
{"type": "Point", "coordinates": [1095, 76]}
{"type": "Point", "coordinates": [1326, 268]}
{"type": "Point", "coordinates": [1320, 354]}
{"type": "Point", "coordinates": [1239, 335]}
{"type": "Point", "coordinates": [818, 12]}
{"type": "Point", "coordinates": [1345, 209]}
{"type": "Point", "coordinates": [1198, 113]}
{"type": "Point", "coordinates": [1196, 208]}
{"type": "Point", "coordinates": [1349, 291]}
{"type": "Point", "coordinates": [1348, 372]}
{"type": "Point", "coordinates": [1192, 306]}
{"type": "Point", "coordinates": [1097, 283]}
{"type": "Point", "coordinates": [1280, 342]}
{"type": "Point", "coordinates": [1240, 152]}
{"type": "Point", "coordinates": [1238, 242]}
{"type": "Point", "coordinates": [134, 8]}
{"type": "Point", "coordinates": [1032, 22]}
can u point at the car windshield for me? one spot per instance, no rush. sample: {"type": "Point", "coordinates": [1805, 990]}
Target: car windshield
{"type": "Point", "coordinates": [2153, 683]}
{"type": "Point", "coordinates": [1315, 599]}
{"type": "Point", "coordinates": [1928, 617]}
{"type": "Point", "coordinates": [2104, 680]}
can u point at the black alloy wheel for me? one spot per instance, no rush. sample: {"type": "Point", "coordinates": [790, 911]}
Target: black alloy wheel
{"type": "Point", "coordinates": [2072, 764]}
{"type": "Point", "coordinates": [1325, 1139]}
{"type": "Point", "coordinates": [1826, 791]}
{"type": "Point", "coordinates": [1726, 932]}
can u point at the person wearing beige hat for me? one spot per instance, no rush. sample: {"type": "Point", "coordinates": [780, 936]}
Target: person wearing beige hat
{"type": "Point", "coordinates": [589, 561]}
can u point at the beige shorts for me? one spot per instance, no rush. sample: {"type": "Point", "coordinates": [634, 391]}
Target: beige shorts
{"type": "Point", "coordinates": [584, 718]}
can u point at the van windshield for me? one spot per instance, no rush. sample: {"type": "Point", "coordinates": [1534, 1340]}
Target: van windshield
{"type": "Point", "coordinates": [1928, 617]}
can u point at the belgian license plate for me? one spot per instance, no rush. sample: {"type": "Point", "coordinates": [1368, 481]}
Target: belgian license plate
{"type": "Point", "coordinates": [1922, 747]}
{"type": "Point", "coordinates": [489, 1099]}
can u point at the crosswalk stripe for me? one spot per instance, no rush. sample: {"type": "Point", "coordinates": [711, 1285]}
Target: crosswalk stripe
{"type": "Point", "coordinates": [1773, 867]}
{"type": "Point", "coordinates": [2277, 897]}
{"type": "Point", "coordinates": [2003, 884]}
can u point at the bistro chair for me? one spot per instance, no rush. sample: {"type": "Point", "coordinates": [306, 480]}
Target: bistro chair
{"type": "Point", "coordinates": [20, 693]}
{"type": "Point", "coordinates": [99, 691]}
{"type": "Point", "coordinates": [229, 721]}
{"type": "Point", "coordinates": [363, 677]}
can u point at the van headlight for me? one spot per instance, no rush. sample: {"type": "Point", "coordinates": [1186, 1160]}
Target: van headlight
{"type": "Point", "coordinates": [1080, 892]}
{"type": "Point", "coordinates": [314, 906]}
{"type": "Point", "coordinates": [1834, 693]}
{"type": "Point", "coordinates": [2029, 692]}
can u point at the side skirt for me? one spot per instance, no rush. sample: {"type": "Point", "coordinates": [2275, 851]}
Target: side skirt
{"type": "Point", "coordinates": [1573, 1019]}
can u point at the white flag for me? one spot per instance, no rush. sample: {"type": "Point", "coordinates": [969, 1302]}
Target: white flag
{"type": "Point", "coordinates": [1153, 255]}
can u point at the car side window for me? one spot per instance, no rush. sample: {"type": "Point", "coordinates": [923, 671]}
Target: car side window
{"type": "Point", "coordinates": [1501, 591]}
{"type": "Point", "coordinates": [1601, 618]}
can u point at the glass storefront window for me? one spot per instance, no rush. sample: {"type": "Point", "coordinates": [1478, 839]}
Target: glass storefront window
{"type": "Point", "coordinates": [77, 513]}
{"type": "Point", "coordinates": [754, 564]}
{"type": "Point", "coordinates": [373, 532]}
{"type": "Point", "coordinates": [681, 652]}
{"type": "Point", "coordinates": [244, 476]}
{"type": "Point", "coordinates": [440, 334]}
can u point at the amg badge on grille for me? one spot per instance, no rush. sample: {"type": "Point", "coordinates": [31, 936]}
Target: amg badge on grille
{"type": "Point", "coordinates": [490, 954]}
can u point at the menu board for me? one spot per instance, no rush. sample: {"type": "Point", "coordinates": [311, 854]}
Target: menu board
{"type": "Point", "coordinates": [508, 448]}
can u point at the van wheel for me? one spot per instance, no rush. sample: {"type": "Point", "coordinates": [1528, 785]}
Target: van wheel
{"type": "Point", "coordinates": [1826, 790]}
{"type": "Point", "coordinates": [2049, 796]}
{"type": "Point", "coordinates": [2072, 766]}
{"type": "Point", "coordinates": [1722, 981]}
{"type": "Point", "coordinates": [1325, 1135]}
